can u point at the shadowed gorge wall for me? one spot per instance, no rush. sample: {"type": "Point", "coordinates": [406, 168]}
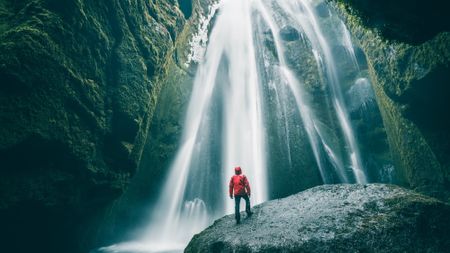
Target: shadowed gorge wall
{"type": "Point", "coordinates": [410, 79]}
{"type": "Point", "coordinates": [411, 21]}
{"type": "Point", "coordinates": [79, 82]}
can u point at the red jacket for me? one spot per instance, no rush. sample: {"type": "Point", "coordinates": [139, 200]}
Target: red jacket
{"type": "Point", "coordinates": [239, 184]}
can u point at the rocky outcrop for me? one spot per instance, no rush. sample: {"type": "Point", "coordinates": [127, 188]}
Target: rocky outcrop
{"type": "Point", "coordinates": [409, 21]}
{"type": "Point", "coordinates": [335, 218]}
{"type": "Point", "coordinates": [411, 84]}
{"type": "Point", "coordinates": [79, 84]}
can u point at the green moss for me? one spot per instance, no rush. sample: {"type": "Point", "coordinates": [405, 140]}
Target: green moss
{"type": "Point", "coordinates": [80, 82]}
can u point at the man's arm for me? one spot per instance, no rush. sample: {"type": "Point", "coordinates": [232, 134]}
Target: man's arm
{"type": "Point", "coordinates": [247, 186]}
{"type": "Point", "coordinates": [231, 187]}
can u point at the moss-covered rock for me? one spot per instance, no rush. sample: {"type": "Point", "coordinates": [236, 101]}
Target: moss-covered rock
{"type": "Point", "coordinates": [411, 85]}
{"type": "Point", "coordinates": [79, 85]}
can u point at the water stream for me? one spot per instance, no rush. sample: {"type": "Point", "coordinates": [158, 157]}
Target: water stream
{"type": "Point", "coordinates": [248, 74]}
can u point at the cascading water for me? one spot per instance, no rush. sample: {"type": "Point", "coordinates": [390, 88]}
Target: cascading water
{"type": "Point", "coordinates": [240, 81]}
{"type": "Point", "coordinates": [302, 14]}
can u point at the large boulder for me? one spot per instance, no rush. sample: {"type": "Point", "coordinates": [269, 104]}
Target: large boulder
{"type": "Point", "coordinates": [335, 218]}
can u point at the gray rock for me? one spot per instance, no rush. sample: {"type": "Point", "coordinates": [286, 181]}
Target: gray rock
{"type": "Point", "coordinates": [322, 10]}
{"type": "Point", "coordinates": [335, 218]}
{"type": "Point", "coordinates": [289, 33]}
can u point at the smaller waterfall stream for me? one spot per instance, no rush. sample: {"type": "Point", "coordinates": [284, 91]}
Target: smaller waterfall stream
{"type": "Point", "coordinates": [227, 118]}
{"type": "Point", "coordinates": [347, 42]}
{"type": "Point", "coordinates": [302, 14]}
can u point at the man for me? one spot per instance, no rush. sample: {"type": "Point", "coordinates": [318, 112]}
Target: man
{"type": "Point", "coordinates": [241, 187]}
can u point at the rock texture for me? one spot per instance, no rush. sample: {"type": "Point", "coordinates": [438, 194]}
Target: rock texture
{"type": "Point", "coordinates": [410, 80]}
{"type": "Point", "coordinates": [335, 218]}
{"type": "Point", "coordinates": [289, 33]}
{"type": "Point", "coordinates": [79, 84]}
{"type": "Point", "coordinates": [410, 21]}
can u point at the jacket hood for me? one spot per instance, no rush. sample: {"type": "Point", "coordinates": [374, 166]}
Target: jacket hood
{"type": "Point", "coordinates": [237, 170]}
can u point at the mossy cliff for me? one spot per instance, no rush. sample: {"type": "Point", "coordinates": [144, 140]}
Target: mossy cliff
{"type": "Point", "coordinates": [79, 85]}
{"type": "Point", "coordinates": [410, 79]}
{"type": "Point", "coordinates": [163, 139]}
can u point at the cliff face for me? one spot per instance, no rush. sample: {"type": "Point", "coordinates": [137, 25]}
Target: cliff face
{"type": "Point", "coordinates": [410, 78]}
{"type": "Point", "coordinates": [79, 82]}
{"type": "Point", "coordinates": [335, 218]}
{"type": "Point", "coordinates": [410, 21]}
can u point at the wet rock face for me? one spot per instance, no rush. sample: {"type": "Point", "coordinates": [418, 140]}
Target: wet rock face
{"type": "Point", "coordinates": [289, 33]}
{"type": "Point", "coordinates": [186, 7]}
{"type": "Point", "coordinates": [322, 10]}
{"type": "Point", "coordinates": [411, 21]}
{"type": "Point", "coordinates": [79, 81]}
{"type": "Point", "coordinates": [335, 218]}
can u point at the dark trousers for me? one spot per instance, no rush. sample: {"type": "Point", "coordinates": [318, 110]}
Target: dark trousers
{"type": "Point", "coordinates": [237, 202]}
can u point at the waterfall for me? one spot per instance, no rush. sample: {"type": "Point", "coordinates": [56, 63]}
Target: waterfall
{"type": "Point", "coordinates": [239, 80]}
